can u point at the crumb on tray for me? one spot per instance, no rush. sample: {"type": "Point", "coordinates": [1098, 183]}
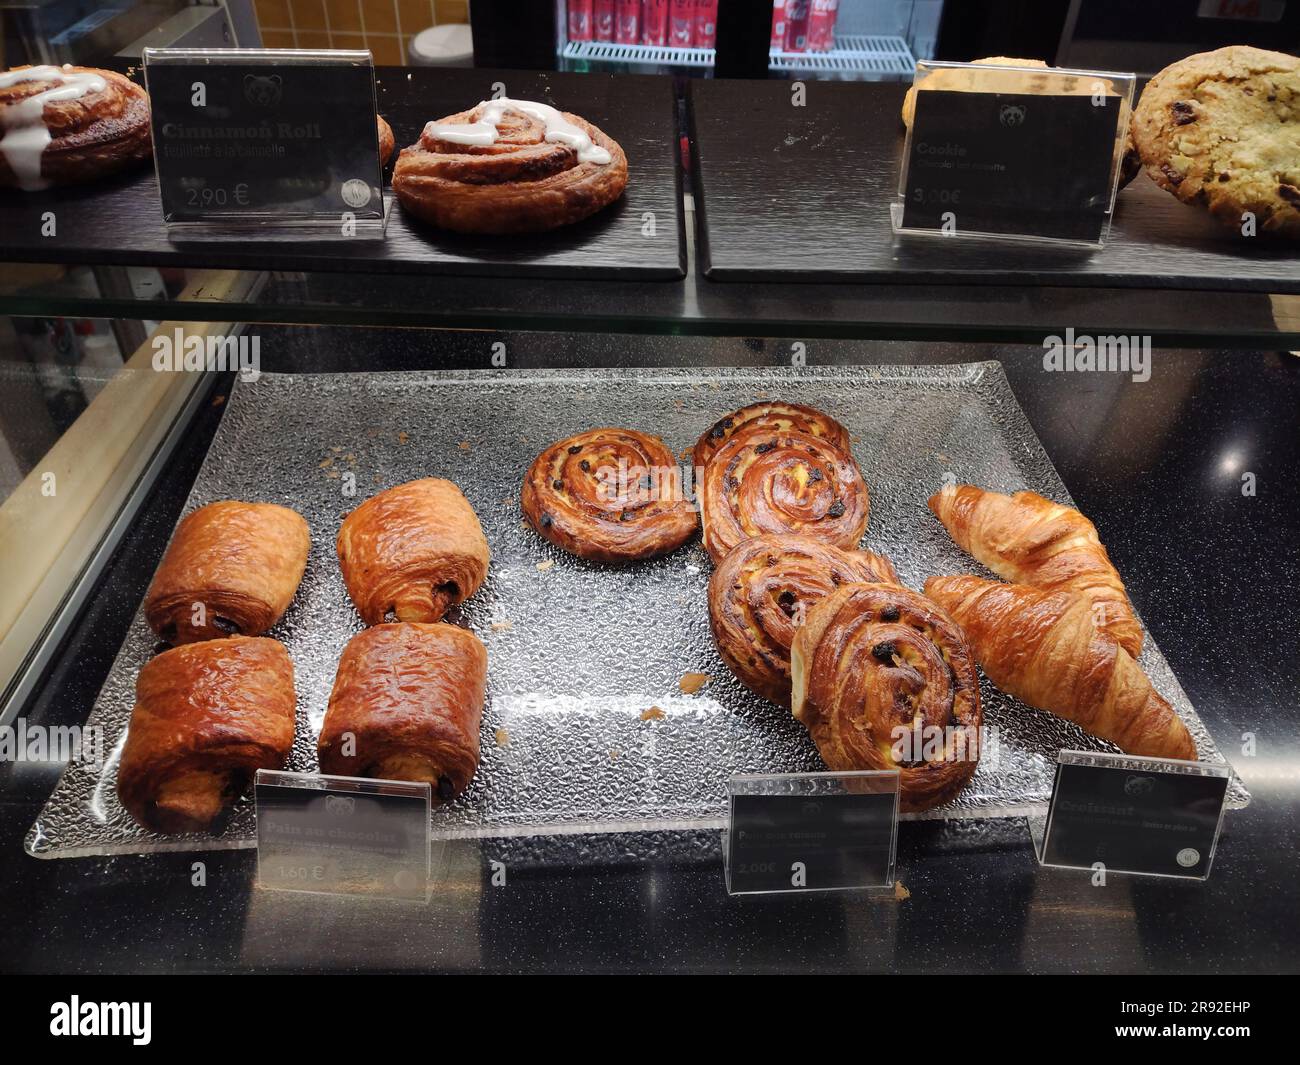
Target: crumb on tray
{"type": "Point", "coordinates": [693, 682]}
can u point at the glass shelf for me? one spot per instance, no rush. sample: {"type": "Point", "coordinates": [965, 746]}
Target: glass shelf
{"type": "Point", "coordinates": [694, 306]}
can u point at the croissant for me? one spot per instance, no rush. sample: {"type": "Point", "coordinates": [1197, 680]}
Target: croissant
{"type": "Point", "coordinates": [66, 125]}
{"type": "Point", "coordinates": [612, 495]}
{"type": "Point", "coordinates": [509, 166]}
{"type": "Point", "coordinates": [406, 705]}
{"type": "Point", "coordinates": [1031, 540]}
{"type": "Point", "coordinates": [231, 569]}
{"type": "Point", "coordinates": [415, 550]}
{"type": "Point", "coordinates": [781, 481]}
{"type": "Point", "coordinates": [1044, 647]}
{"type": "Point", "coordinates": [770, 415]}
{"type": "Point", "coordinates": [883, 679]}
{"type": "Point", "coordinates": [207, 716]}
{"type": "Point", "coordinates": [761, 592]}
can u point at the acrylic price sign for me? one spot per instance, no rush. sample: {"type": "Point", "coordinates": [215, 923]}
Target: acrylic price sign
{"type": "Point", "coordinates": [1018, 153]}
{"type": "Point", "coordinates": [811, 832]}
{"type": "Point", "coordinates": [1150, 816]}
{"type": "Point", "coordinates": [342, 835]}
{"type": "Point", "coordinates": [263, 137]}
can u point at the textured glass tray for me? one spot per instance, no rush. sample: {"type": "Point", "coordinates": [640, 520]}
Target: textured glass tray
{"type": "Point", "coordinates": [579, 651]}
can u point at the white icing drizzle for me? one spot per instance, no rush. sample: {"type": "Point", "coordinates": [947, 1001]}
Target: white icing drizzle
{"type": "Point", "coordinates": [482, 133]}
{"type": "Point", "coordinates": [26, 135]}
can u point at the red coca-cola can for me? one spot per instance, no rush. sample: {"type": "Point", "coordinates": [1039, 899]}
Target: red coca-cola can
{"type": "Point", "coordinates": [796, 25]}
{"type": "Point", "coordinates": [821, 25]}
{"type": "Point", "coordinates": [681, 23]}
{"type": "Point", "coordinates": [778, 24]}
{"type": "Point", "coordinates": [706, 23]}
{"type": "Point", "coordinates": [627, 22]}
{"type": "Point", "coordinates": [603, 20]}
{"type": "Point", "coordinates": [654, 22]}
{"type": "Point", "coordinates": [579, 20]}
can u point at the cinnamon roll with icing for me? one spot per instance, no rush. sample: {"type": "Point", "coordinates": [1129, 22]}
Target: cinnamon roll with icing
{"type": "Point", "coordinates": [509, 166]}
{"type": "Point", "coordinates": [65, 125]}
{"type": "Point", "coordinates": [883, 678]}
{"type": "Point", "coordinates": [610, 495]}
{"type": "Point", "coordinates": [761, 593]}
{"type": "Point", "coordinates": [781, 481]}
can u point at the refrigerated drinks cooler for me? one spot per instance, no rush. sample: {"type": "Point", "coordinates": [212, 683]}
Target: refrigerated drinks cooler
{"type": "Point", "coordinates": [857, 39]}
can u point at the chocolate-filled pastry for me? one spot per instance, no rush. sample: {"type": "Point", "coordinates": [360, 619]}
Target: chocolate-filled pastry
{"type": "Point", "coordinates": [611, 495]}
{"type": "Point", "coordinates": [883, 679]}
{"type": "Point", "coordinates": [406, 705]}
{"type": "Point", "coordinates": [761, 592]}
{"type": "Point", "coordinates": [231, 569]}
{"type": "Point", "coordinates": [207, 716]}
{"type": "Point", "coordinates": [770, 415]}
{"type": "Point", "coordinates": [1046, 648]}
{"type": "Point", "coordinates": [387, 142]}
{"type": "Point", "coordinates": [509, 166]}
{"type": "Point", "coordinates": [415, 550]}
{"type": "Point", "coordinates": [768, 481]}
{"type": "Point", "coordinates": [1029, 539]}
{"type": "Point", "coordinates": [65, 125]}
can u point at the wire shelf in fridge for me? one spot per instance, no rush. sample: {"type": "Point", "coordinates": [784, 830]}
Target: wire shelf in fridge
{"type": "Point", "coordinates": [852, 54]}
{"type": "Point", "coordinates": [657, 54]}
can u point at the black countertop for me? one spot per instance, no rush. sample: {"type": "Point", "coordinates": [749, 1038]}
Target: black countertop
{"type": "Point", "coordinates": [1157, 466]}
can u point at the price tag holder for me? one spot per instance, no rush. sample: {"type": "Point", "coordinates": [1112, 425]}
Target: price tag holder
{"type": "Point", "coordinates": [811, 832]}
{"type": "Point", "coordinates": [266, 139]}
{"type": "Point", "coordinates": [1145, 816]}
{"type": "Point", "coordinates": [342, 835]}
{"type": "Point", "coordinates": [1013, 153]}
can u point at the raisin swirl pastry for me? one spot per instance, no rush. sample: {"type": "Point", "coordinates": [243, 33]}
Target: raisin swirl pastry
{"type": "Point", "coordinates": [610, 495]}
{"type": "Point", "coordinates": [410, 697]}
{"type": "Point", "coordinates": [883, 679]}
{"type": "Point", "coordinates": [762, 591]}
{"type": "Point", "coordinates": [509, 166]}
{"type": "Point", "coordinates": [240, 562]}
{"type": "Point", "coordinates": [414, 551]}
{"type": "Point", "coordinates": [769, 415]}
{"type": "Point", "coordinates": [769, 481]}
{"type": "Point", "coordinates": [387, 142]}
{"type": "Point", "coordinates": [66, 125]}
{"type": "Point", "coordinates": [207, 716]}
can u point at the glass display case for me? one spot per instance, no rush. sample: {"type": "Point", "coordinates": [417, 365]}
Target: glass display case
{"type": "Point", "coordinates": [744, 320]}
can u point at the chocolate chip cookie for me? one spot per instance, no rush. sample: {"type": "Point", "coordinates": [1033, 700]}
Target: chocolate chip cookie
{"type": "Point", "coordinates": [1221, 130]}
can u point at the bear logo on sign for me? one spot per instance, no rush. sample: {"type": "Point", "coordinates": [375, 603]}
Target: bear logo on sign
{"type": "Point", "coordinates": [263, 90]}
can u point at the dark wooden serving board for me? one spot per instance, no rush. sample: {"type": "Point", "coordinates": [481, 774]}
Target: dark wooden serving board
{"type": "Point", "coordinates": [119, 221]}
{"type": "Point", "coordinates": [803, 194]}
